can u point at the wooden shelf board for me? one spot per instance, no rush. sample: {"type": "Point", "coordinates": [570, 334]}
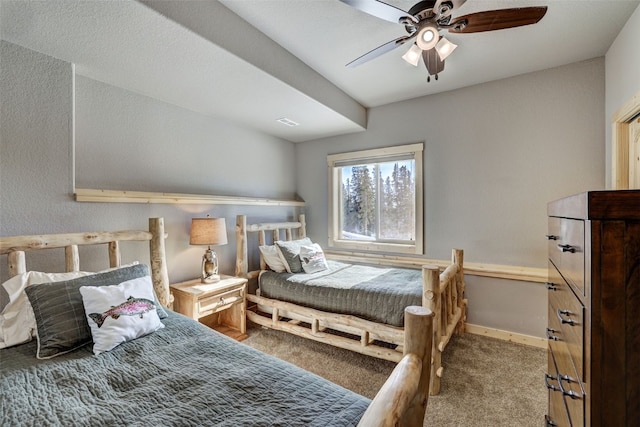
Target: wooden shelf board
{"type": "Point", "coordinates": [117, 196]}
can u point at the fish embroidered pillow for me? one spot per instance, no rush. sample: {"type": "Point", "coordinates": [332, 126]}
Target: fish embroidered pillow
{"type": "Point", "coordinates": [120, 313]}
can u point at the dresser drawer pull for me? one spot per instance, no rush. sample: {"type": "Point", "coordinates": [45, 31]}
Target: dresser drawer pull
{"type": "Point", "coordinates": [549, 422]}
{"type": "Point", "coordinates": [552, 286]}
{"type": "Point", "coordinates": [567, 248]}
{"type": "Point", "coordinates": [551, 387]}
{"type": "Point", "coordinates": [572, 394]}
{"type": "Point", "coordinates": [563, 320]}
{"type": "Point", "coordinates": [552, 237]}
{"type": "Point", "coordinates": [552, 337]}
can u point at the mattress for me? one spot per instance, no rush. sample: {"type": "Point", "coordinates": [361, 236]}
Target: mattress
{"type": "Point", "coordinates": [373, 293]}
{"type": "Point", "coordinates": [182, 375]}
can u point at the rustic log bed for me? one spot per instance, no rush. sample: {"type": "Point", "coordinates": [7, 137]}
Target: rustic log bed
{"type": "Point", "coordinates": [401, 401]}
{"type": "Point", "coordinates": [442, 293]}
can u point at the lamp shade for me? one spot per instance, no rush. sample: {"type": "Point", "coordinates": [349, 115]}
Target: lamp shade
{"type": "Point", "coordinates": [208, 231]}
{"type": "Point", "coordinates": [445, 48]}
{"type": "Point", "coordinates": [413, 55]}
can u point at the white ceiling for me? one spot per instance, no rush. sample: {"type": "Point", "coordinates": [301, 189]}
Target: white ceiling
{"type": "Point", "coordinates": [254, 61]}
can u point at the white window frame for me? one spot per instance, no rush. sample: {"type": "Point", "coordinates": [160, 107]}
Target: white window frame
{"type": "Point", "coordinates": [379, 154]}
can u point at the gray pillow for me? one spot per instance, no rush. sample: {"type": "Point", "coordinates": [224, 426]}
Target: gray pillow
{"type": "Point", "coordinates": [290, 253]}
{"type": "Point", "coordinates": [60, 317]}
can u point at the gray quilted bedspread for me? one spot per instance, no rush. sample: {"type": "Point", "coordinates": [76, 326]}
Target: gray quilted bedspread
{"type": "Point", "coordinates": [373, 293]}
{"type": "Point", "coordinates": [182, 375]}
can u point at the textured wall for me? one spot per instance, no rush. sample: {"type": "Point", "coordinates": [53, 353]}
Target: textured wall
{"type": "Point", "coordinates": [622, 75]}
{"type": "Point", "coordinates": [126, 141]}
{"type": "Point", "coordinates": [495, 154]}
{"type": "Point", "coordinates": [124, 129]}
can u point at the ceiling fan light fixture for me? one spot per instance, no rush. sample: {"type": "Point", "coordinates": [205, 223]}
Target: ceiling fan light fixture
{"type": "Point", "coordinates": [445, 48]}
{"type": "Point", "coordinates": [428, 36]}
{"type": "Point", "coordinates": [412, 56]}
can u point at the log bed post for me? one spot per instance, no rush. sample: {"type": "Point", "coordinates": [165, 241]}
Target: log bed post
{"type": "Point", "coordinates": [457, 256]}
{"type": "Point", "coordinates": [159, 271]}
{"type": "Point", "coordinates": [402, 400]}
{"type": "Point", "coordinates": [431, 299]}
{"type": "Point", "coordinates": [242, 266]}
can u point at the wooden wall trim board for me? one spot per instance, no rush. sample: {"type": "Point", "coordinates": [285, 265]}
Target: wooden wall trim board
{"type": "Point", "coordinates": [506, 335]}
{"type": "Point", "coordinates": [117, 196]}
{"type": "Point", "coordinates": [525, 274]}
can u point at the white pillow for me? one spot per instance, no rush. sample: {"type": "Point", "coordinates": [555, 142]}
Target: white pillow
{"type": "Point", "coordinates": [272, 258]}
{"type": "Point", "coordinates": [312, 258]}
{"type": "Point", "coordinates": [17, 321]}
{"type": "Point", "coordinates": [120, 313]}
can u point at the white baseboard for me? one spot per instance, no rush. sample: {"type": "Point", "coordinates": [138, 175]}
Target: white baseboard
{"type": "Point", "coordinates": [506, 335]}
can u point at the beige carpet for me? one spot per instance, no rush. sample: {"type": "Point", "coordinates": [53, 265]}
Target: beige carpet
{"type": "Point", "coordinates": [486, 382]}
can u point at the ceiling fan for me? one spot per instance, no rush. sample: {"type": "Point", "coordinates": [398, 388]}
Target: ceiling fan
{"type": "Point", "coordinates": [426, 18]}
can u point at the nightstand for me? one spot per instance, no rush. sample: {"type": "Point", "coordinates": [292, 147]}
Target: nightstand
{"type": "Point", "coordinates": [221, 305]}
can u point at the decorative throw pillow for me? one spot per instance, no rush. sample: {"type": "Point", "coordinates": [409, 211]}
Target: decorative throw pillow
{"type": "Point", "coordinates": [289, 252]}
{"type": "Point", "coordinates": [17, 322]}
{"type": "Point", "coordinates": [61, 322]}
{"type": "Point", "coordinates": [272, 258]}
{"type": "Point", "coordinates": [120, 313]}
{"type": "Point", "coordinates": [312, 258]}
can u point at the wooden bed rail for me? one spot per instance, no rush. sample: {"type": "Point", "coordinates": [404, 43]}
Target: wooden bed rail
{"type": "Point", "coordinates": [15, 248]}
{"type": "Point", "coordinates": [402, 400]}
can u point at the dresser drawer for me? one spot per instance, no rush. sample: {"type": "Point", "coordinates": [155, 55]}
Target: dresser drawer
{"type": "Point", "coordinates": [566, 249]}
{"type": "Point", "coordinates": [570, 386]}
{"type": "Point", "coordinates": [566, 319]}
{"type": "Point", "coordinates": [558, 414]}
{"type": "Point", "coordinates": [214, 303]}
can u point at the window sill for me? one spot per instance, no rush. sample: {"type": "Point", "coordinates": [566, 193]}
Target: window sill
{"type": "Point", "coordinates": [375, 246]}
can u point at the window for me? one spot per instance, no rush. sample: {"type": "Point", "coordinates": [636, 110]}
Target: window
{"type": "Point", "coordinates": [376, 199]}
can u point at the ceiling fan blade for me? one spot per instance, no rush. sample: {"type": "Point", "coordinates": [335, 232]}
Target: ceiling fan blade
{"type": "Point", "coordinates": [497, 19]}
{"type": "Point", "coordinates": [380, 9]}
{"type": "Point", "coordinates": [447, 11]}
{"type": "Point", "coordinates": [380, 50]}
{"type": "Point", "coordinates": [432, 61]}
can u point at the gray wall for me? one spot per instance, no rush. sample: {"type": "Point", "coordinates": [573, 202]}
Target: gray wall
{"type": "Point", "coordinates": [125, 141]}
{"type": "Point", "coordinates": [495, 154]}
{"type": "Point", "coordinates": [622, 76]}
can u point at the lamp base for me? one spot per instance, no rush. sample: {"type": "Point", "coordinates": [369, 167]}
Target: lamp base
{"type": "Point", "coordinates": [211, 279]}
{"type": "Point", "coordinates": [210, 267]}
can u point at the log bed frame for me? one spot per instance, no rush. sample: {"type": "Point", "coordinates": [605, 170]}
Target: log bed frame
{"type": "Point", "coordinates": [402, 400]}
{"type": "Point", "coordinates": [443, 294]}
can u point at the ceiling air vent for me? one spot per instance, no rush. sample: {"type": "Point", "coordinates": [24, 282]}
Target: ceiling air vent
{"type": "Point", "coordinates": [287, 122]}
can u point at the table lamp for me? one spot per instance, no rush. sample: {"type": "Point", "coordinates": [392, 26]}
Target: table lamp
{"type": "Point", "coordinates": [208, 231]}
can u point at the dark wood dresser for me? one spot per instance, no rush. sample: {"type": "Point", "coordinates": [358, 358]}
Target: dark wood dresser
{"type": "Point", "coordinates": [593, 373]}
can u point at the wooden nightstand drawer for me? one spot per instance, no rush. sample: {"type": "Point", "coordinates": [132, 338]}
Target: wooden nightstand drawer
{"type": "Point", "coordinates": [215, 303]}
{"type": "Point", "coordinates": [221, 305]}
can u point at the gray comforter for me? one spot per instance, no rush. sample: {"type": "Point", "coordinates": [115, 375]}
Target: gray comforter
{"type": "Point", "coordinates": [373, 293]}
{"type": "Point", "coordinates": [182, 375]}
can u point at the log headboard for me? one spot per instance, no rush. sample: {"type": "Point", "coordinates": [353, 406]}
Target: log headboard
{"type": "Point", "coordinates": [16, 246]}
{"type": "Point", "coordinates": [290, 229]}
